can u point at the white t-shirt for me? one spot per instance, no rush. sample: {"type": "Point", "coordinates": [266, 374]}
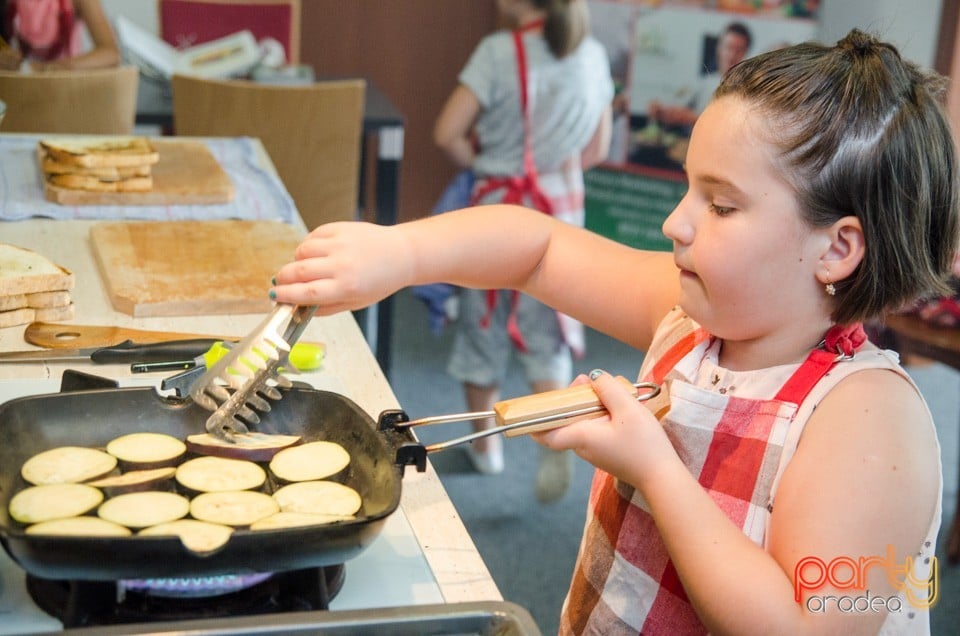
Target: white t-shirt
{"type": "Point", "coordinates": [567, 97]}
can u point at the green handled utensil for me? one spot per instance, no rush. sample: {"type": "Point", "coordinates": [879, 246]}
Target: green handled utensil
{"type": "Point", "coordinates": [305, 356]}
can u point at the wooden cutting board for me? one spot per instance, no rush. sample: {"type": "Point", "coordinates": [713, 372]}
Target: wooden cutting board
{"type": "Point", "coordinates": [186, 268]}
{"type": "Point", "coordinates": [187, 173]}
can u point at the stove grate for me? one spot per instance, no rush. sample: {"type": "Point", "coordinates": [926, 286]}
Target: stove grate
{"type": "Point", "coordinates": [89, 603]}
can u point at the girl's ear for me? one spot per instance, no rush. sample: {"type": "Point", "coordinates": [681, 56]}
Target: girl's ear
{"type": "Point", "coordinates": [844, 252]}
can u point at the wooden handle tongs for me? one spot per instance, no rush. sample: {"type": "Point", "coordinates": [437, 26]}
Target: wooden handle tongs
{"type": "Point", "coordinates": [532, 413]}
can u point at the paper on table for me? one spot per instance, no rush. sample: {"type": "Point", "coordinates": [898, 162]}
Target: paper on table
{"type": "Point", "coordinates": [260, 195]}
{"type": "Point", "coordinates": [230, 56]}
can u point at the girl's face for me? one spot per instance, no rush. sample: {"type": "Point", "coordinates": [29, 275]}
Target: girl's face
{"type": "Point", "coordinates": [747, 260]}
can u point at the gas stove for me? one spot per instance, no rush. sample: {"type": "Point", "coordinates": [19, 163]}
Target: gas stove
{"type": "Point", "coordinates": [395, 556]}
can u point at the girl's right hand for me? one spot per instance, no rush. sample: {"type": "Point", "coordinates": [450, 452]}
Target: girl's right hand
{"type": "Point", "coordinates": [627, 441]}
{"type": "Point", "coordinates": [345, 266]}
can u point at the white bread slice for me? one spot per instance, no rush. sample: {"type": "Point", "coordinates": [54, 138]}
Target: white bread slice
{"type": "Point", "coordinates": [26, 315]}
{"type": "Point", "coordinates": [14, 317]}
{"type": "Point", "coordinates": [102, 152]}
{"type": "Point", "coordinates": [54, 314]}
{"type": "Point", "coordinates": [23, 271]}
{"type": "Point", "coordinates": [39, 300]}
{"type": "Point", "coordinates": [96, 184]}
{"type": "Point", "coordinates": [16, 301]}
{"type": "Point", "coordinates": [46, 300]}
{"type": "Point", "coordinates": [49, 165]}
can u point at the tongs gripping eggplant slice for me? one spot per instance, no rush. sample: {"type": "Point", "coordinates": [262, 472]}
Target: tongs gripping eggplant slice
{"type": "Point", "coordinates": [250, 368]}
{"type": "Point", "coordinates": [531, 413]}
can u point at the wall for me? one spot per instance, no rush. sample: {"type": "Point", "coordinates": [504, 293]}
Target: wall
{"type": "Point", "coordinates": [142, 12]}
{"type": "Point", "coordinates": [911, 25]}
{"type": "Point", "coordinates": [412, 50]}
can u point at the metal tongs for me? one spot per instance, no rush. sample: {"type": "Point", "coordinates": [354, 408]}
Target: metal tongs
{"type": "Point", "coordinates": [251, 370]}
{"type": "Point", "coordinates": [532, 413]}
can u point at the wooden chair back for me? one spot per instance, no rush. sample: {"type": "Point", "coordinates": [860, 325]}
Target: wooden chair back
{"type": "Point", "coordinates": [312, 133]}
{"type": "Point", "coordinates": [101, 101]}
{"type": "Point", "coordinates": [186, 23]}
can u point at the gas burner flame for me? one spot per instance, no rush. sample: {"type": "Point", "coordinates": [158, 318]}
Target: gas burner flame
{"type": "Point", "coordinates": [193, 587]}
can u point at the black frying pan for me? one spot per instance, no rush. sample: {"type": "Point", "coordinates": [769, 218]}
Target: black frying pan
{"type": "Point", "coordinates": [93, 417]}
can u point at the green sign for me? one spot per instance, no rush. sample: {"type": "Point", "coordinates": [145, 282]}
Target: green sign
{"type": "Point", "coordinates": [629, 207]}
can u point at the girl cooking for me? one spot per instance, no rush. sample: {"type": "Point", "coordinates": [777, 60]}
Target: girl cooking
{"type": "Point", "coordinates": [822, 192]}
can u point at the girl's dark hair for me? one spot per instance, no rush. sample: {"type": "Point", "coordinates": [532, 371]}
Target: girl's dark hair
{"type": "Point", "coordinates": [566, 24]}
{"type": "Point", "coordinates": [863, 133]}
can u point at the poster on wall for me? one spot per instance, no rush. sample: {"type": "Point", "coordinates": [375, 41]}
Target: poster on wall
{"type": "Point", "coordinates": [666, 58]}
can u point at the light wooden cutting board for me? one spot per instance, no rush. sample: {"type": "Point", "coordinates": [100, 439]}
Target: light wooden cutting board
{"type": "Point", "coordinates": [185, 268]}
{"type": "Point", "coordinates": [187, 173]}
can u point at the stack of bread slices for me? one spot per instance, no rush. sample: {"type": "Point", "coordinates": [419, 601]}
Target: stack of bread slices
{"type": "Point", "coordinates": [32, 288]}
{"type": "Point", "coordinates": [114, 164]}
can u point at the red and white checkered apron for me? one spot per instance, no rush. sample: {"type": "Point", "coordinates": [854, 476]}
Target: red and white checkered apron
{"type": "Point", "coordinates": [624, 580]}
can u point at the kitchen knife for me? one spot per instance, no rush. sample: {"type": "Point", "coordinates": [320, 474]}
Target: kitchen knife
{"type": "Point", "coordinates": [127, 351]}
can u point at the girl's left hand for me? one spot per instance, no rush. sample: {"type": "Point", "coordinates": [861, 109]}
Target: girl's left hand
{"type": "Point", "coordinates": [628, 442]}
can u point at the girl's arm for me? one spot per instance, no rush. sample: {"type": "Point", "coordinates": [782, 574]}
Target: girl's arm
{"type": "Point", "coordinates": [452, 130]}
{"type": "Point", "coordinates": [105, 52]}
{"type": "Point", "coordinates": [613, 288]}
{"type": "Point", "coordinates": [864, 477]}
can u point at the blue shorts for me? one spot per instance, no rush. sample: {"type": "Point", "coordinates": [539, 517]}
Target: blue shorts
{"type": "Point", "coordinates": [482, 356]}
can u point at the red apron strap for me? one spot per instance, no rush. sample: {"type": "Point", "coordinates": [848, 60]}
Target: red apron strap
{"type": "Point", "coordinates": [531, 178]}
{"type": "Point", "coordinates": [839, 344]}
{"type": "Point", "coordinates": [675, 353]}
{"type": "Point", "coordinates": [517, 188]}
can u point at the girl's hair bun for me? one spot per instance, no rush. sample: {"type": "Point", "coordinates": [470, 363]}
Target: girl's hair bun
{"type": "Point", "coordinates": [858, 42]}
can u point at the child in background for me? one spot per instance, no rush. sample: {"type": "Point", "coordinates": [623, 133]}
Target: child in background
{"type": "Point", "coordinates": [47, 35]}
{"type": "Point", "coordinates": [822, 192]}
{"type": "Point", "coordinates": [530, 113]}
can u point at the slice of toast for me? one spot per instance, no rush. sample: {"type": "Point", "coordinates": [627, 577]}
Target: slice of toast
{"type": "Point", "coordinates": [16, 301]}
{"type": "Point", "coordinates": [49, 165]}
{"type": "Point", "coordinates": [97, 184]}
{"type": "Point", "coordinates": [26, 315]}
{"type": "Point", "coordinates": [38, 300]}
{"type": "Point", "coordinates": [101, 152]}
{"type": "Point", "coordinates": [23, 271]}
{"type": "Point", "coordinates": [49, 300]}
{"type": "Point", "coordinates": [53, 314]}
{"type": "Point", "coordinates": [14, 317]}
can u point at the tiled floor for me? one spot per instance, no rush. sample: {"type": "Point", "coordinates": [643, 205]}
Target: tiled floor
{"type": "Point", "coordinates": [530, 547]}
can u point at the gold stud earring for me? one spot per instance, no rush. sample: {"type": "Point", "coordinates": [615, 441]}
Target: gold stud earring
{"type": "Point", "coordinates": [830, 289]}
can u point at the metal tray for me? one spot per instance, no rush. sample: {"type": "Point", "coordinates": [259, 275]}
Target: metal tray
{"type": "Point", "coordinates": [498, 618]}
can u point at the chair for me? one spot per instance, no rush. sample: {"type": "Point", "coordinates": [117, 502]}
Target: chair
{"type": "Point", "coordinates": [101, 101]}
{"type": "Point", "coordinates": [186, 23]}
{"type": "Point", "coordinates": [312, 133]}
